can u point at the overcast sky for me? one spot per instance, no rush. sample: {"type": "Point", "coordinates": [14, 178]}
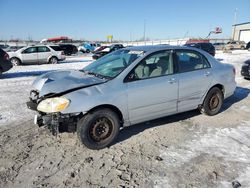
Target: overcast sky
{"type": "Point", "coordinates": [124, 19]}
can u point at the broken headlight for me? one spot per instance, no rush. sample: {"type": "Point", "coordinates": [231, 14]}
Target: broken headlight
{"type": "Point", "coordinates": [52, 105]}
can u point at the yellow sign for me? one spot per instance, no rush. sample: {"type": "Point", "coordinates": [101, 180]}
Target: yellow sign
{"type": "Point", "coordinates": [110, 37]}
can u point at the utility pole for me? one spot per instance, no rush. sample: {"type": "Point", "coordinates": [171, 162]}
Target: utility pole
{"type": "Point", "coordinates": [144, 31]}
{"type": "Point", "coordinates": [235, 21]}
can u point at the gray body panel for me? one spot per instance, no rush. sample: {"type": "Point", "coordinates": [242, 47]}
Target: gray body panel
{"type": "Point", "coordinates": [140, 100]}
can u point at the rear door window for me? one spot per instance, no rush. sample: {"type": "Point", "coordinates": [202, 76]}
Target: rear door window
{"type": "Point", "coordinates": [56, 48]}
{"type": "Point", "coordinates": [43, 49]}
{"type": "Point", "coordinates": [190, 61]}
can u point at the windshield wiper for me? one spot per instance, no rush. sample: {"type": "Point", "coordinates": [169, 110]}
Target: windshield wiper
{"type": "Point", "coordinates": [97, 75]}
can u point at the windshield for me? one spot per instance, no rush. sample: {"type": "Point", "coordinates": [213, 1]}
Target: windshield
{"type": "Point", "coordinates": [113, 64]}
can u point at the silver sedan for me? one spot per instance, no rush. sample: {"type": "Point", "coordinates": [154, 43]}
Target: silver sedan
{"type": "Point", "coordinates": [130, 86]}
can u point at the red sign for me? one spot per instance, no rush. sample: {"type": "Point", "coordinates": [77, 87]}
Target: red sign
{"type": "Point", "coordinates": [218, 30]}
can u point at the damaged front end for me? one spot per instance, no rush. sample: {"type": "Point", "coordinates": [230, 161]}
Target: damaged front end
{"type": "Point", "coordinates": [55, 121]}
{"type": "Point", "coordinates": [47, 98]}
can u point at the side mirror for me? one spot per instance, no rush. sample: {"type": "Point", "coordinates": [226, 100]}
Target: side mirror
{"type": "Point", "coordinates": [131, 77]}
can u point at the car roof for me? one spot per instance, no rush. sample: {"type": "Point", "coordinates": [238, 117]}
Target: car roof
{"type": "Point", "coordinates": [156, 48]}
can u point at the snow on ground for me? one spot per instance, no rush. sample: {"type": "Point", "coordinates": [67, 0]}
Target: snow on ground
{"type": "Point", "coordinates": [16, 84]}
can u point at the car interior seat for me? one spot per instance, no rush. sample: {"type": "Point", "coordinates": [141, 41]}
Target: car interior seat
{"type": "Point", "coordinates": [142, 71]}
{"type": "Point", "coordinates": [161, 67]}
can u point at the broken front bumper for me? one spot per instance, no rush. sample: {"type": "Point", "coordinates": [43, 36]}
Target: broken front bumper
{"type": "Point", "coordinates": [56, 122]}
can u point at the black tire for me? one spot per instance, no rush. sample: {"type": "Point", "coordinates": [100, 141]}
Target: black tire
{"type": "Point", "coordinates": [87, 51]}
{"type": "Point", "coordinates": [242, 47]}
{"type": "Point", "coordinates": [212, 102]}
{"type": "Point", "coordinates": [98, 129]}
{"type": "Point", "coordinates": [15, 61]}
{"type": "Point", "coordinates": [53, 60]}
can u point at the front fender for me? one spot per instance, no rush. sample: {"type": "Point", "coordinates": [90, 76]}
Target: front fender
{"type": "Point", "coordinates": [84, 100]}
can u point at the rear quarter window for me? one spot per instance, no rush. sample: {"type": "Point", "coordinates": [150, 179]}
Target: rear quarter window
{"type": "Point", "coordinates": [56, 48]}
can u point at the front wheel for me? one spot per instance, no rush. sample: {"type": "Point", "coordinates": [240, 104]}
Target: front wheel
{"type": "Point", "coordinates": [98, 129]}
{"type": "Point", "coordinates": [15, 61]}
{"type": "Point", "coordinates": [212, 102]}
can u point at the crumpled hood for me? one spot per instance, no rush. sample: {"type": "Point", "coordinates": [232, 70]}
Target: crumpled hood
{"type": "Point", "coordinates": [61, 81]}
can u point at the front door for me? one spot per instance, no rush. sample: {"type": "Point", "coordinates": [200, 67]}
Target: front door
{"type": "Point", "coordinates": [152, 88]}
{"type": "Point", "coordinates": [29, 55]}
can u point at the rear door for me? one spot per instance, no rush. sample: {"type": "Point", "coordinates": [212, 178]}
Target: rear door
{"type": "Point", "coordinates": [195, 77]}
{"type": "Point", "coordinates": [43, 54]}
{"type": "Point", "coordinates": [29, 55]}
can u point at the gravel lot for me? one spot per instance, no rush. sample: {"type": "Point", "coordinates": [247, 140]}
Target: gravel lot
{"type": "Point", "coordinates": [184, 150]}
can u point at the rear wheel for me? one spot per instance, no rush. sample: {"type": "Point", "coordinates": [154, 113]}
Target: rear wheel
{"type": "Point", "coordinates": [87, 51]}
{"type": "Point", "coordinates": [213, 102]}
{"type": "Point", "coordinates": [53, 60]}
{"type": "Point", "coordinates": [98, 129]}
{"type": "Point", "coordinates": [15, 61]}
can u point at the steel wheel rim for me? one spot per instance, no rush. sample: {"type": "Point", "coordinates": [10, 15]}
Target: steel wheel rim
{"type": "Point", "coordinates": [214, 102]}
{"type": "Point", "coordinates": [101, 129]}
{"type": "Point", "coordinates": [14, 62]}
{"type": "Point", "coordinates": [53, 61]}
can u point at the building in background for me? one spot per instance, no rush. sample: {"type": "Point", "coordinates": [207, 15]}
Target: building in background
{"type": "Point", "coordinates": [241, 32]}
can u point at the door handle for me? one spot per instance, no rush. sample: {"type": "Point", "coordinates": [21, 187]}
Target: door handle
{"type": "Point", "coordinates": [207, 73]}
{"type": "Point", "coordinates": [172, 81]}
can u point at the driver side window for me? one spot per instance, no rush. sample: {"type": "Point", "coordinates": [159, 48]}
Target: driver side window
{"type": "Point", "coordinates": [155, 65]}
{"type": "Point", "coordinates": [30, 50]}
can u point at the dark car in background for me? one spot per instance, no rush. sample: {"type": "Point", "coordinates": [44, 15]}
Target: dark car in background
{"type": "Point", "coordinates": [206, 46]}
{"type": "Point", "coordinates": [219, 45]}
{"type": "Point", "coordinates": [5, 63]}
{"type": "Point", "coordinates": [106, 50]}
{"type": "Point", "coordinates": [245, 69]}
{"type": "Point", "coordinates": [68, 49]}
{"type": "Point", "coordinates": [4, 46]}
{"type": "Point", "coordinates": [248, 46]}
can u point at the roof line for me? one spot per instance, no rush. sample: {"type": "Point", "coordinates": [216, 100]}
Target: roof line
{"type": "Point", "coordinates": [242, 23]}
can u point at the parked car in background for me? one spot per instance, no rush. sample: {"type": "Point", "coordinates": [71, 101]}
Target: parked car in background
{"type": "Point", "coordinates": [108, 49]}
{"type": "Point", "coordinates": [87, 47]}
{"type": "Point", "coordinates": [69, 49]}
{"type": "Point", "coordinates": [130, 86]}
{"type": "Point", "coordinates": [36, 54]}
{"type": "Point", "coordinates": [100, 48]}
{"type": "Point", "coordinates": [3, 46]}
{"type": "Point", "coordinates": [5, 63]}
{"type": "Point", "coordinates": [13, 48]}
{"type": "Point", "coordinates": [219, 45]}
{"type": "Point", "coordinates": [206, 46]}
{"type": "Point", "coordinates": [231, 45]}
{"type": "Point", "coordinates": [245, 69]}
{"type": "Point", "coordinates": [248, 46]}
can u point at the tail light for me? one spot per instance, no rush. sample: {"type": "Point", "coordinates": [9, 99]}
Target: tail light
{"type": "Point", "coordinates": [6, 57]}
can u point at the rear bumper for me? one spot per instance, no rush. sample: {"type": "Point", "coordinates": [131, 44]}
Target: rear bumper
{"type": "Point", "coordinates": [62, 58]}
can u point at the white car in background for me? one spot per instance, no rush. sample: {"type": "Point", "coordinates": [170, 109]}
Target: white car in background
{"type": "Point", "coordinates": [37, 55]}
